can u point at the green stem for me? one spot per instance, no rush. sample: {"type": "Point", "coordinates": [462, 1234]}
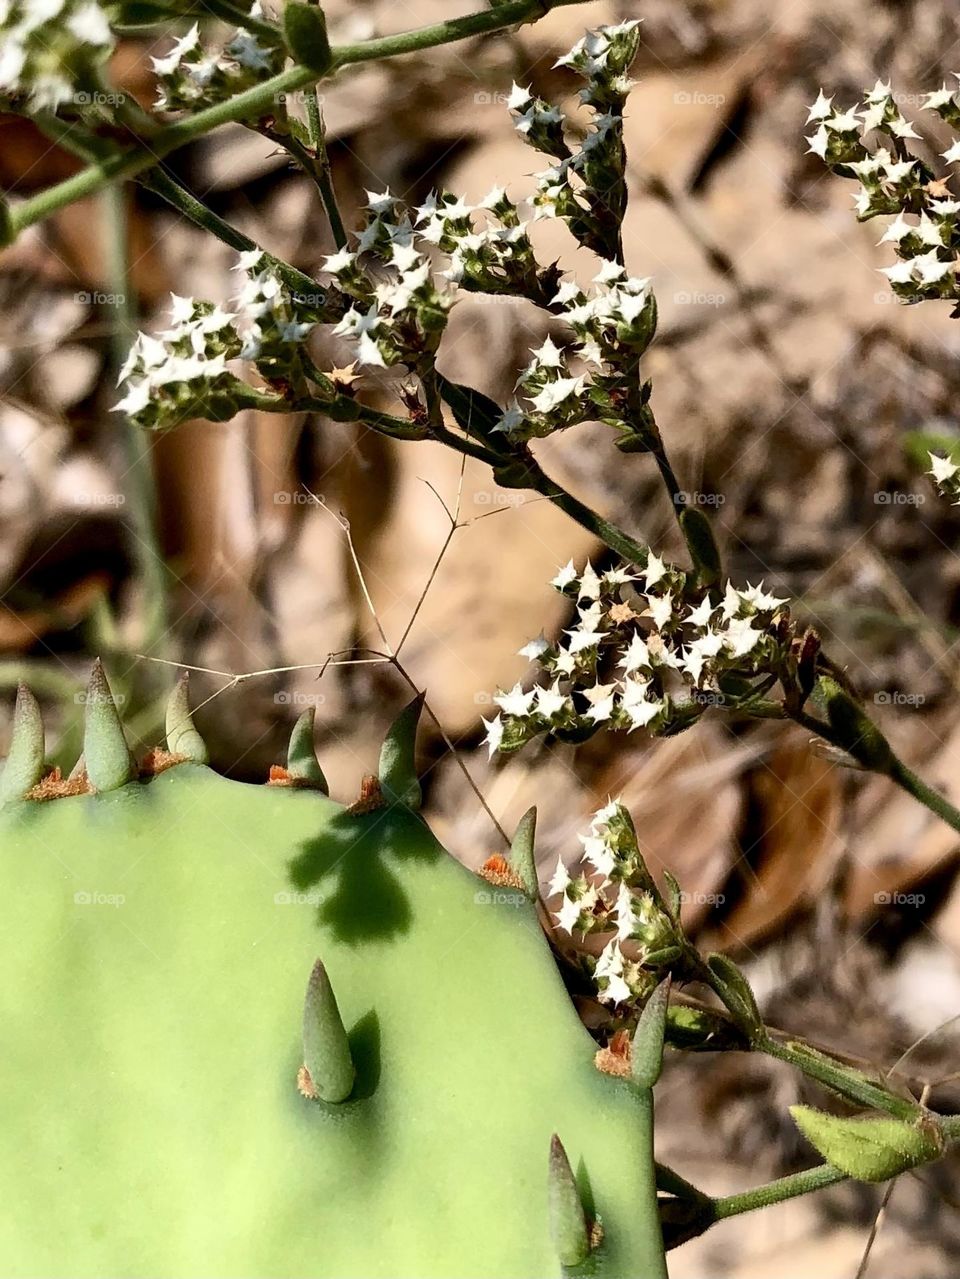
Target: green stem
{"type": "Point", "coordinates": [178, 197]}
{"type": "Point", "coordinates": [774, 1192]}
{"type": "Point", "coordinates": [937, 803]}
{"type": "Point", "coordinates": [843, 1080]}
{"type": "Point", "coordinates": [320, 171]}
{"type": "Point", "coordinates": [608, 533]}
{"type": "Point", "coordinates": [139, 475]}
{"type": "Point", "coordinates": [260, 100]}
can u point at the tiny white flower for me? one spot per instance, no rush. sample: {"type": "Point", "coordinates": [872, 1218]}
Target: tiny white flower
{"type": "Point", "coordinates": [535, 648]}
{"type": "Point", "coordinates": [560, 880]}
{"type": "Point", "coordinates": [550, 701]}
{"type": "Point", "coordinates": [655, 571]}
{"type": "Point", "coordinates": [952, 154]}
{"type": "Point", "coordinates": [821, 109]}
{"type": "Point", "coordinates": [494, 735]}
{"type": "Point", "coordinates": [517, 702]}
{"type": "Point", "coordinates": [660, 608]}
{"type": "Point", "coordinates": [941, 468]}
{"type": "Point", "coordinates": [565, 576]}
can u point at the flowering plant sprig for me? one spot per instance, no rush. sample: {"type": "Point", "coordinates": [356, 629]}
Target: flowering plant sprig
{"type": "Point", "coordinates": [649, 649]}
{"type": "Point", "coordinates": [51, 51]}
{"type": "Point", "coordinates": [190, 74]}
{"type": "Point", "coordinates": [870, 143]}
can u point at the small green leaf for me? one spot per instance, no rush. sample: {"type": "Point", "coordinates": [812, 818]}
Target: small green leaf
{"type": "Point", "coordinates": [853, 730]}
{"type": "Point", "coordinates": [673, 896]}
{"type": "Point", "coordinates": [398, 757]}
{"type": "Point", "coordinates": [568, 1223]}
{"type": "Point", "coordinates": [305, 31]}
{"type": "Point", "coordinates": [522, 859]}
{"type": "Point", "coordinates": [302, 763]}
{"type": "Point", "coordinates": [475, 412]}
{"type": "Point", "coordinates": [736, 992]}
{"type": "Point", "coordinates": [7, 231]}
{"type": "Point", "coordinates": [702, 545]}
{"type": "Point", "coordinates": [105, 751]}
{"type": "Point", "coordinates": [647, 1055]}
{"type": "Point", "coordinates": [868, 1147]}
{"type": "Point", "coordinates": [24, 765]}
{"type": "Point", "coordinates": [182, 736]}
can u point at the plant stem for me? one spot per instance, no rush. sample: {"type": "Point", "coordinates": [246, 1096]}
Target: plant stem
{"type": "Point", "coordinates": [798, 1183]}
{"type": "Point", "coordinates": [937, 803]}
{"type": "Point", "coordinates": [848, 1082]}
{"type": "Point", "coordinates": [235, 15]}
{"type": "Point", "coordinates": [320, 170]}
{"type": "Point", "coordinates": [139, 473]}
{"type": "Point", "coordinates": [261, 99]}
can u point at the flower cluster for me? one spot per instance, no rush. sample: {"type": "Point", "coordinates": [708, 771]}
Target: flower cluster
{"type": "Point", "coordinates": [926, 229]}
{"type": "Point", "coordinates": [50, 49]}
{"type": "Point", "coordinates": [648, 650]}
{"type": "Point", "coordinates": [585, 184]}
{"type": "Point", "coordinates": [617, 896]}
{"type": "Point", "coordinates": [401, 318]}
{"type": "Point", "coordinates": [191, 75]}
{"type": "Point", "coordinates": [946, 475]}
{"type": "Point", "coordinates": [182, 372]}
{"type": "Point", "coordinates": [612, 325]}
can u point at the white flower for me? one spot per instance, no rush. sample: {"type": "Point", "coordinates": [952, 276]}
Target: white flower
{"type": "Point", "coordinates": [555, 393]}
{"type": "Point", "coordinates": [548, 356]}
{"type": "Point", "coordinates": [818, 142]}
{"type": "Point", "coordinates": [518, 97]}
{"type": "Point", "coordinates": [952, 154]}
{"type": "Point", "coordinates": [550, 701]}
{"type": "Point", "coordinates": [516, 702]}
{"type": "Point", "coordinates": [636, 656]}
{"type": "Point", "coordinates": [660, 608]}
{"type": "Point", "coordinates": [494, 735]}
{"type": "Point", "coordinates": [581, 640]}
{"type": "Point", "coordinates": [565, 576]}
{"type": "Point", "coordinates": [821, 109]}
{"type": "Point", "coordinates": [589, 584]}
{"type": "Point", "coordinates": [598, 853]}
{"type": "Point", "coordinates": [560, 880]}
{"type": "Point", "coordinates": [535, 648]}
{"type": "Point", "coordinates": [568, 914]}
{"type": "Point", "coordinates": [740, 637]}
{"type": "Point", "coordinates": [655, 570]}
{"type": "Point", "coordinates": [941, 468]}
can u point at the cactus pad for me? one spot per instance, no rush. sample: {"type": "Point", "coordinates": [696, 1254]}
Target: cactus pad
{"type": "Point", "coordinates": [162, 1001]}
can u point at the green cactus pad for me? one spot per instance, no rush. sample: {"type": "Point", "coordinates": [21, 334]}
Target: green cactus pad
{"type": "Point", "coordinates": [157, 945]}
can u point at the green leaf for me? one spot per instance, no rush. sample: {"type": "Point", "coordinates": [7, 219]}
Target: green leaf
{"type": "Point", "coordinates": [522, 859]}
{"type": "Point", "coordinates": [305, 31]}
{"type": "Point", "coordinates": [702, 545]}
{"type": "Point", "coordinates": [475, 412]}
{"type": "Point", "coordinates": [736, 992]}
{"type": "Point", "coordinates": [868, 1147]}
{"type": "Point", "coordinates": [647, 1055]}
{"type": "Point", "coordinates": [672, 896]}
{"type": "Point", "coordinates": [853, 730]}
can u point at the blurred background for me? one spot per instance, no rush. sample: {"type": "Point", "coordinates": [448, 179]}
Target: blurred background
{"type": "Point", "coordinates": [795, 396]}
